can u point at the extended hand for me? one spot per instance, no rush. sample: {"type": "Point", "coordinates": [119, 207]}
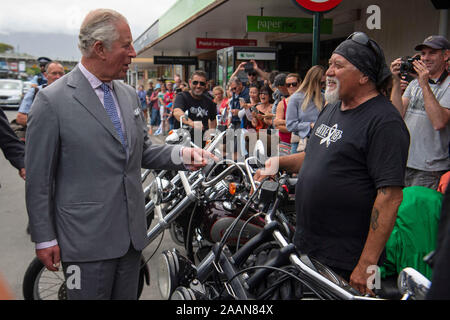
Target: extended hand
{"type": "Point", "coordinates": [241, 66]}
{"type": "Point", "coordinates": [49, 257]}
{"type": "Point", "coordinates": [196, 158]}
{"type": "Point", "coordinates": [271, 167]}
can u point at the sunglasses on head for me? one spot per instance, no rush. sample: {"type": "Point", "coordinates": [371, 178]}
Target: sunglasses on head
{"type": "Point", "coordinates": [362, 38]}
{"type": "Point", "coordinates": [201, 83]}
{"type": "Point", "coordinates": [292, 84]}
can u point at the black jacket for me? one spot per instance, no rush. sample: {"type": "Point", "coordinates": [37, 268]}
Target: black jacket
{"type": "Point", "coordinates": [12, 147]}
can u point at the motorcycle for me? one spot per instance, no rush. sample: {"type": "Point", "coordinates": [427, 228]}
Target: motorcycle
{"type": "Point", "coordinates": [268, 266]}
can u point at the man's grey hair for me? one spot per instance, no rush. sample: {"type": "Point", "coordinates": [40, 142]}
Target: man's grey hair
{"type": "Point", "coordinates": [235, 80]}
{"type": "Point", "coordinates": [99, 25]}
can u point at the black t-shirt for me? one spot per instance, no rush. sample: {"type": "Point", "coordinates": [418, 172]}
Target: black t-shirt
{"type": "Point", "coordinates": [203, 109]}
{"type": "Point", "coordinates": [349, 155]}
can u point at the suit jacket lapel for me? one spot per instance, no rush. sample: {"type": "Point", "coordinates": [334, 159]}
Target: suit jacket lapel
{"type": "Point", "coordinates": [87, 97]}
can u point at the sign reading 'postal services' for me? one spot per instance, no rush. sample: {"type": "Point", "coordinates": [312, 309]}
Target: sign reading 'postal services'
{"type": "Point", "coordinates": [214, 43]}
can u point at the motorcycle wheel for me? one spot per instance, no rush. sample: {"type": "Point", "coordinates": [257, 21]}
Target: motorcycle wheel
{"type": "Point", "coordinates": [42, 284]}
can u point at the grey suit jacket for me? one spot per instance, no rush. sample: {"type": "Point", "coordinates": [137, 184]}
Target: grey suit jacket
{"type": "Point", "coordinates": [81, 189]}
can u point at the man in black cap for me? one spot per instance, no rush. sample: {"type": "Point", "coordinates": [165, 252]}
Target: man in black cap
{"type": "Point", "coordinates": [40, 79]}
{"type": "Point", "coordinates": [351, 175]}
{"type": "Point", "coordinates": [425, 107]}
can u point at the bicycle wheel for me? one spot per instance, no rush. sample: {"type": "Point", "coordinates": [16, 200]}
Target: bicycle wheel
{"type": "Point", "coordinates": [39, 283]}
{"type": "Point", "coordinates": [42, 284]}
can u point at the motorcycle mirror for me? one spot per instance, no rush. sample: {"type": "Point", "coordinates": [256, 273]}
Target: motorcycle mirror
{"type": "Point", "coordinates": [173, 138]}
{"type": "Point", "coordinates": [259, 153]}
{"type": "Point", "coordinates": [412, 283]}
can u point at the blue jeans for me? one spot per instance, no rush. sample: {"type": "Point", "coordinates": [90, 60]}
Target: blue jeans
{"type": "Point", "coordinates": [155, 119]}
{"type": "Point", "coordinates": [294, 147]}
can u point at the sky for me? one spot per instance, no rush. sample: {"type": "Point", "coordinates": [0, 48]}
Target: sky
{"type": "Point", "coordinates": [24, 22]}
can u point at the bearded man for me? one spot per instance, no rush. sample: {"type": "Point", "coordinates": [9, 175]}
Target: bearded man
{"type": "Point", "coordinates": [352, 171]}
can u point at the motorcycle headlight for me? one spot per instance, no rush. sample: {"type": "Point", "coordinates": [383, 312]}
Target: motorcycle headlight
{"type": "Point", "coordinates": [174, 270]}
{"type": "Point", "coordinates": [167, 274]}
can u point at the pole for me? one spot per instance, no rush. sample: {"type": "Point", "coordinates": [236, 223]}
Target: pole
{"type": "Point", "coordinates": [316, 38]}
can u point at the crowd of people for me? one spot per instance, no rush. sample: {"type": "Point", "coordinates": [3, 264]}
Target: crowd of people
{"type": "Point", "coordinates": [354, 133]}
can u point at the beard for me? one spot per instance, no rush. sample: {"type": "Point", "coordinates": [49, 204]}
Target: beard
{"type": "Point", "coordinates": [332, 95]}
{"type": "Point", "coordinates": [197, 93]}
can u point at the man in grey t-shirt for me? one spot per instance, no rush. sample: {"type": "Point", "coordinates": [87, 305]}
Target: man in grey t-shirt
{"type": "Point", "coordinates": [425, 107]}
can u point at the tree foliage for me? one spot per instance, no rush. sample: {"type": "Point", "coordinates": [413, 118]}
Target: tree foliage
{"type": "Point", "coordinates": [4, 47]}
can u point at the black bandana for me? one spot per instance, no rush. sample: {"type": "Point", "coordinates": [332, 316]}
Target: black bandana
{"type": "Point", "coordinates": [365, 59]}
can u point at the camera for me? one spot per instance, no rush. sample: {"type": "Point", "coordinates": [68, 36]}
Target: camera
{"type": "Point", "coordinates": [253, 108]}
{"type": "Point", "coordinates": [248, 67]}
{"type": "Point", "coordinates": [407, 65]}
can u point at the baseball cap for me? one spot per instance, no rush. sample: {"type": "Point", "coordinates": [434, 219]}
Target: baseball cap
{"type": "Point", "coordinates": [435, 42]}
{"type": "Point", "coordinates": [158, 86]}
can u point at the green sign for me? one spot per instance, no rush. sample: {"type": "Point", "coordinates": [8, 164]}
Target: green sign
{"type": "Point", "coordinates": [287, 25]}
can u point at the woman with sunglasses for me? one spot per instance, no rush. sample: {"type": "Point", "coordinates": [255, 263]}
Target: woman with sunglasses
{"type": "Point", "coordinates": [304, 106]}
{"type": "Point", "coordinates": [262, 115]}
{"type": "Point", "coordinates": [292, 83]}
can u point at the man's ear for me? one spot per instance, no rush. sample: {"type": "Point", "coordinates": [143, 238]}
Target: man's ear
{"type": "Point", "coordinates": [447, 55]}
{"type": "Point", "coordinates": [99, 49]}
{"type": "Point", "coordinates": [363, 79]}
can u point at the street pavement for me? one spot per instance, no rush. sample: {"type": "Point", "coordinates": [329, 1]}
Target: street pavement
{"type": "Point", "coordinates": [17, 250]}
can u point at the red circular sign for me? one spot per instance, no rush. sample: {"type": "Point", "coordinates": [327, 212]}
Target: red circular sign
{"type": "Point", "coordinates": [318, 5]}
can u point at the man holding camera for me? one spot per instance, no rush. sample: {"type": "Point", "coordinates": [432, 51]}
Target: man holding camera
{"type": "Point", "coordinates": [425, 107]}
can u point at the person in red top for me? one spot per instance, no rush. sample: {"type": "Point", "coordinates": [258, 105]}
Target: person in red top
{"type": "Point", "coordinates": [168, 103]}
{"type": "Point", "coordinates": [155, 118]}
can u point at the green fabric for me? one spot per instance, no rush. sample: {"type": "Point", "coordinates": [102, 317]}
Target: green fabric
{"type": "Point", "coordinates": [415, 232]}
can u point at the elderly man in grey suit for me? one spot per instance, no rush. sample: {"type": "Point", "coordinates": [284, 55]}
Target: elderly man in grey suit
{"type": "Point", "coordinates": [86, 144]}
